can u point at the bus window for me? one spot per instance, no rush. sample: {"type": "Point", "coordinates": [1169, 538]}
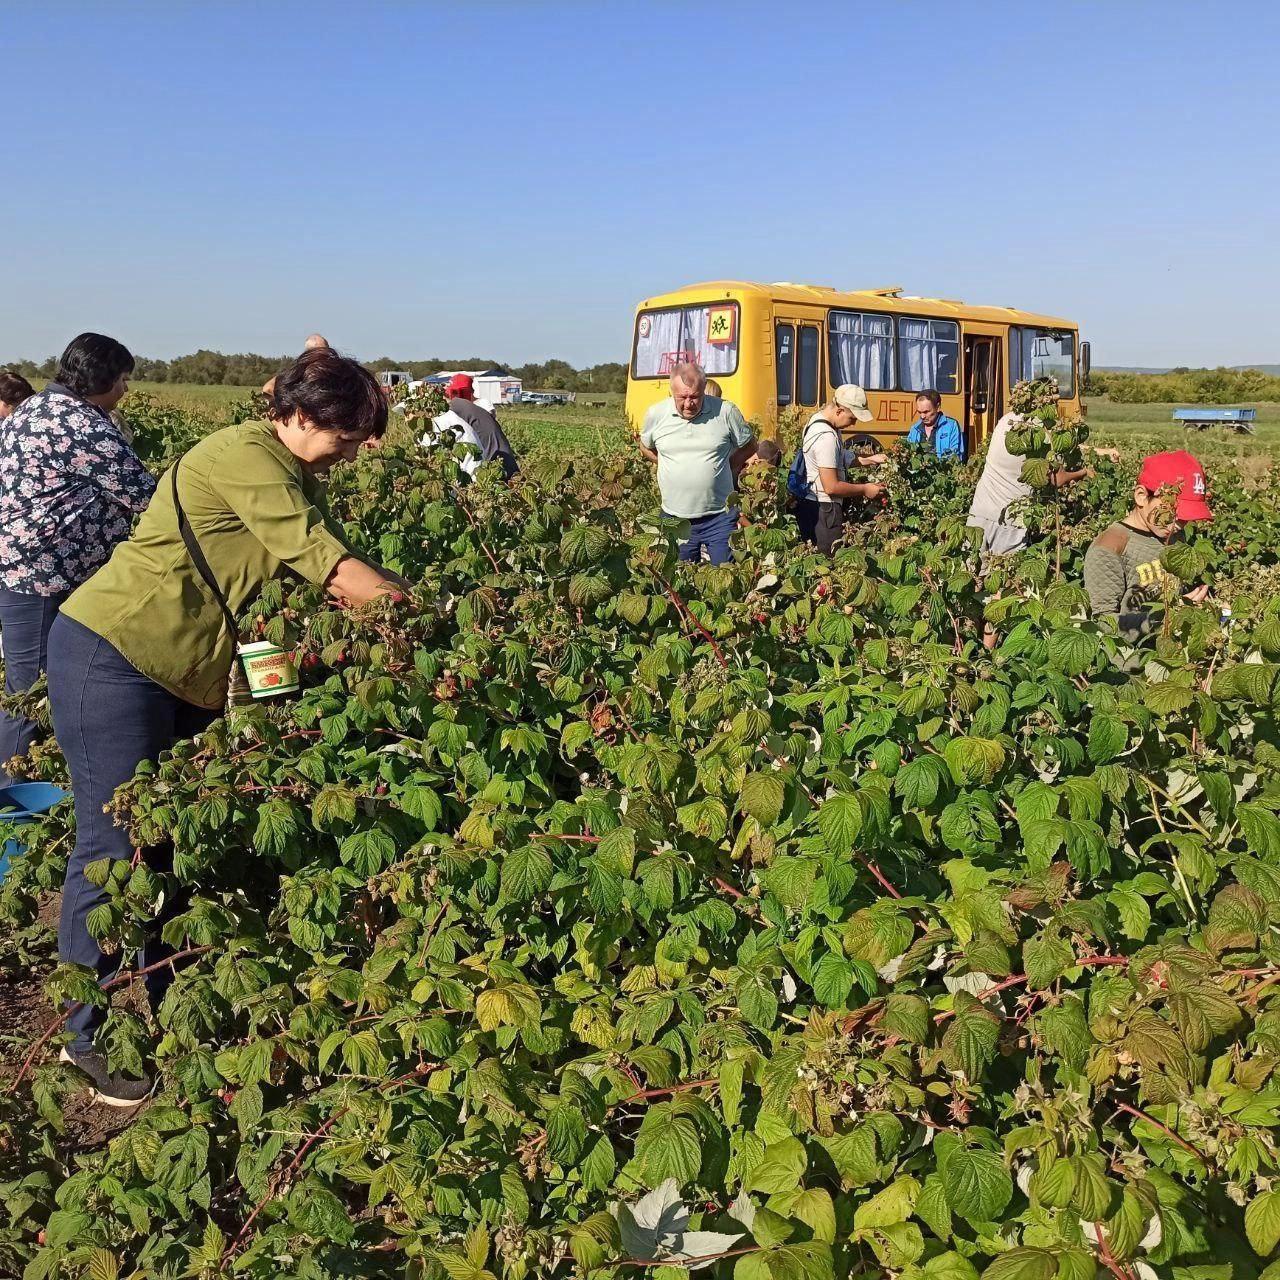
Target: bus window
{"type": "Point", "coordinates": [705, 332]}
{"type": "Point", "coordinates": [1042, 353]}
{"type": "Point", "coordinates": [928, 353]}
{"type": "Point", "coordinates": [785, 337]}
{"type": "Point", "coordinates": [861, 349]}
{"type": "Point", "coordinates": [808, 377]}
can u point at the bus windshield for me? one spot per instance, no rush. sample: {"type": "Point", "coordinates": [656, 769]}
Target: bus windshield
{"type": "Point", "coordinates": [706, 332]}
{"type": "Point", "coordinates": [1043, 353]}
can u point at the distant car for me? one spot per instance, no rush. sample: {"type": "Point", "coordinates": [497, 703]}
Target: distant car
{"type": "Point", "coordinates": [546, 397]}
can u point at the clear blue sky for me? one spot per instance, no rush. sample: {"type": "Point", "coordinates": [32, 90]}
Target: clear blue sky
{"type": "Point", "coordinates": [508, 180]}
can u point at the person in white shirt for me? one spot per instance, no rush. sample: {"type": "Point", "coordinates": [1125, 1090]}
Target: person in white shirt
{"type": "Point", "coordinates": [821, 517]}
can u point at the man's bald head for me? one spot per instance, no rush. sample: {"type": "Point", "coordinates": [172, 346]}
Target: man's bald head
{"type": "Point", "coordinates": [315, 342]}
{"type": "Point", "coordinates": [688, 388]}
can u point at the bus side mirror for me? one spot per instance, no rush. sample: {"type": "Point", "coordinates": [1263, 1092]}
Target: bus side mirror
{"type": "Point", "coordinates": [1086, 361]}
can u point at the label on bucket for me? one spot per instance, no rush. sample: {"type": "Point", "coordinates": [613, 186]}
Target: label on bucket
{"type": "Point", "coordinates": [269, 669]}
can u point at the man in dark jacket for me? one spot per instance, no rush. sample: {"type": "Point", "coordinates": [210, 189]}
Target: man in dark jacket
{"type": "Point", "coordinates": [489, 435]}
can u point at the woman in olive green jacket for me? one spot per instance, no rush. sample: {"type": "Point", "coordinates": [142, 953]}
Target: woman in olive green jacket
{"type": "Point", "coordinates": [141, 654]}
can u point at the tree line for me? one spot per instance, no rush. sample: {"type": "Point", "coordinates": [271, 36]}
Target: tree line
{"type": "Point", "coordinates": [244, 369]}
{"type": "Point", "coordinates": [1185, 386]}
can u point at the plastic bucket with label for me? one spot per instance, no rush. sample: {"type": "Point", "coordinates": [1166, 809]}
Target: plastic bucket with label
{"type": "Point", "coordinates": [20, 802]}
{"type": "Point", "coordinates": [268, 668]}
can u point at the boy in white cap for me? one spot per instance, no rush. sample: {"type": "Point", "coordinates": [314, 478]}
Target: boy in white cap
{"type": "Point", "coordinates": [820, 512]}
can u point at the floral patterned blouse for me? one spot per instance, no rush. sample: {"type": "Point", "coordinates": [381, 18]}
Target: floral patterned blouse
{"type": "Point", "coordinates": [69, 489]}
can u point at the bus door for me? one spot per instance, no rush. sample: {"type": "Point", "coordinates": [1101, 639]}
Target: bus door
{"type": "Point", "coordinates": [983, 386]}
{"type": "Point", "coordinates": [798, 353]}
{"type": "Point", "coordinates": [784, 345]}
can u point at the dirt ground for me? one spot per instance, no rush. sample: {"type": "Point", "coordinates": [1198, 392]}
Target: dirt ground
{"type": "Point", "coordinates": [25, 1014]}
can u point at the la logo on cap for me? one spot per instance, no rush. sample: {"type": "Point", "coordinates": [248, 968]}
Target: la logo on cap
{"type": "Point", "coordinates": [1197, 483]}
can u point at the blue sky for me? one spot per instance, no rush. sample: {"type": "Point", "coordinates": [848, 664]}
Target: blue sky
{"type": "Point", "coordinates": [508, 180]}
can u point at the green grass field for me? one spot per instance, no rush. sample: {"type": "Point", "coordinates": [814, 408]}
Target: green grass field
{"type": "Point", "coordinates": [213, 400]}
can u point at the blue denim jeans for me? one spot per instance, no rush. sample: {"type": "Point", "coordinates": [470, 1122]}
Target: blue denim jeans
{"type": "Point", "coordinates": [25, 620]}
{"type": "Point", "coordinates": [109, 717]}
{"type": "Point", "coordinates": [711, 532]}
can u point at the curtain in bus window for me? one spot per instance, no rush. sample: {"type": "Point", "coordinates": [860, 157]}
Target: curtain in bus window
{"type": "Point", "coordinates": [927, 352]}
{"type": "Point", "coordinates": [654, 346]}
{"type": "Point", "coordinates": [714, 357]}
{"type": "Point", "coordinates": [861, 349]}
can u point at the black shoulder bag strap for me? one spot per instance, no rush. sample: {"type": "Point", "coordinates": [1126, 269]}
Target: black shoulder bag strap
{"type": "Point", "coordinates": [201, 564]}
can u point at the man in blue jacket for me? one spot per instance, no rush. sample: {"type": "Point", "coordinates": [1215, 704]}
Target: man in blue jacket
{"type": "Point", "coordinates": [932, 427]}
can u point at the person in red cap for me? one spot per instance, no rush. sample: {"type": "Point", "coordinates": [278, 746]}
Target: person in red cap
{"type": "Point", "coordinates": [1123, 572]}
{"type": "Point", "coordinates": [480, 427]}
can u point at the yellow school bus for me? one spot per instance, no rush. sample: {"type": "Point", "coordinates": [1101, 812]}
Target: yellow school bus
{"type": "Point", "coordinates": [774, 346]}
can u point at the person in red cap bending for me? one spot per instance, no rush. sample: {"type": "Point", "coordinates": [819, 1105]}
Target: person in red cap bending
{"type": "Point", "coordinates": [1123, 572]}
{"type": "Point", "coordinates": [488, 435]}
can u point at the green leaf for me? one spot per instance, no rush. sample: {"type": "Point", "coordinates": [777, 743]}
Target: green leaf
{"type": "Point", "coordinates": [277, 827]}
{"type": "Point", "coordinates": [896, 1203]}
{"type": "Point", "coordinates": [974, 761]}
{"type": "Point", "coordinates": [948, 1266]}
{"type": "Point", "coordinates": [1045, 959]}
{"type": "Point", "coordinates": [422, 803]}
{"type": "Point", "coordinates": [1262, 1222]}
{"type": "Point", "coordinates": [599, 1165]}
{"type": "Point", "coordinates": [369, 851]}
{"type": "Point", "coordinates": [1072, 651]}
{"type": "Point", "coordinates": [977, 1184]}
{"type": "Point", "coordinates": [668, 1146]}
{"type": "Point", "coordinates": [780, 1169]}
{"type": "Point", "coordinates": [1092, 1194]}
{"type": "Point", "coordinates": [840, 821]}
{"type": "Point", "coordinates": [1023, 1264]}
{"type": "Point", "coordinates": [813, 1207]}
{"type": "Point", "coordinates": [907, 1016]}
{"type": "Point", "coordinates": [762, 796]}
{"type": "Point", "coordinates": [1236, 919]}
{"type": "Point", "coordinates": [1108, 738]}
{"type": "Point", "coordinates": [1065, 1031]}
{"type": "Point", "coordinates": [832, 981]}
{"type": "Point", "coordinates": [102, 1266]}
{"type": "Point", "coordinates": [1054, 1182]}
{"type": "Point", "coordinates": [969, 1042]}
{"type": "Point", "coordinates": [526, 872]}
{"type": "Point", "coordinates": [333, 806]}
{"type": "Point", "coordinates": [921, 782]}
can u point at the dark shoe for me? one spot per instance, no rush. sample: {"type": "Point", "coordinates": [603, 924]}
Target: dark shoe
{"type": "Point", "coordinates": [113, 1088]}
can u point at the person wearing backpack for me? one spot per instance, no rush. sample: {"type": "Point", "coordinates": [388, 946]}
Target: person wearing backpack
{"type": "Point", "coordinates": [818, 477]}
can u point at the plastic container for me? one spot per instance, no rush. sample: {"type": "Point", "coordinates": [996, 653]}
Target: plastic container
{"type": "Point", "coordinates": [20, 802]}
{"type": "Point", "coordinates": [268, 668]}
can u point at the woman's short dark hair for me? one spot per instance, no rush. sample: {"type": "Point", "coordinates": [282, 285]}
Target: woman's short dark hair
{"type": "Point", "coordinates": [14, 388]}
{"type": "Point", "coordinates": [91, 364]}
{"type": "Point", "coordinates": [931, 396]}
{"type": "Point", "coordinates": [332, 392]}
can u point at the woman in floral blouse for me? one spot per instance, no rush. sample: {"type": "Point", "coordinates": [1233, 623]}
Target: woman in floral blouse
{"type": "Point", "coordinates": [69, 488]}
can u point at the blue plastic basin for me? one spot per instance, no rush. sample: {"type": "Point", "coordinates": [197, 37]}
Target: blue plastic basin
{"type": "Point", "coordinates": [19, 803]}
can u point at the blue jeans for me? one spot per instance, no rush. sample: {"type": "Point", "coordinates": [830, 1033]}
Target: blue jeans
{"type": "Point", "coordinates": [711, 532]}
{"type": "Point", "coordinates": [25, 620]}
{"type": "Point", "coordinates": [109, 717]}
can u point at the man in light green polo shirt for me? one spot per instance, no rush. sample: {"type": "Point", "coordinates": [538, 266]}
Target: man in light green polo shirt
{"type": "Point", "coordinates": [699, 442]}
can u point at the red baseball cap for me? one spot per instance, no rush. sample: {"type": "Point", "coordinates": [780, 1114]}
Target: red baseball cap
{"type": "Point", "coordinates": [1182, 470]}
{"type": "Point", "coordinates": [461, 385]}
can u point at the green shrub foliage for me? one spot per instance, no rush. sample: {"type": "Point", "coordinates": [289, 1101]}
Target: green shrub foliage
{"type": "Point", "coordinates": [588, 915]}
